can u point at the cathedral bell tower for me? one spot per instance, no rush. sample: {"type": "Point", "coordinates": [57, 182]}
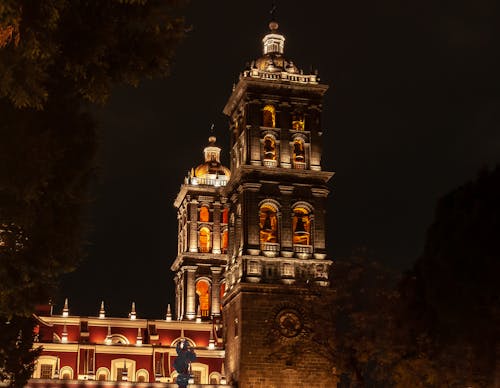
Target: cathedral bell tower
{"type": "Point", "coordinates": [202, 215]}
{"type": "Point", "coordinates": [277, 202]}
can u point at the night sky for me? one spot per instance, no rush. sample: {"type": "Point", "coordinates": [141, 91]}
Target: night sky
{"type": "Point", "coordinates": [413, 111]}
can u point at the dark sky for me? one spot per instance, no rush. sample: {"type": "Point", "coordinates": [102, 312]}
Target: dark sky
{"type": "Point", "coordinates": [413, 111]}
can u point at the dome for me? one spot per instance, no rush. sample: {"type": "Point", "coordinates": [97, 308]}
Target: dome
{"type": "Point", "coordinates": [212, 169]}
{"type": "Point", "coordinates": [205, 170]}
{"type": "Point", "coordinates": [273, 59]}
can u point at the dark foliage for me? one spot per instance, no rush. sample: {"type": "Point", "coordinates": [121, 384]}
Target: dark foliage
{"type": "Point", "coordinates": [56, 58]}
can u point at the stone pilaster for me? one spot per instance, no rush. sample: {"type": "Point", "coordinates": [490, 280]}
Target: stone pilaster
{"type": "Point", "coordinates": [193, 226]}
{"type": "Point", "coordinates": [216, 273]}
{"type": "Point", "coordinates": [189, 278]}
{"type": "Point", "coordinates": [286, 220]}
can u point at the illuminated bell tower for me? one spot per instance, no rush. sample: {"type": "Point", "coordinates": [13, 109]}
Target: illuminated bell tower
{"type": "Point", "coordinates": [277, 241]}
{"type": "Point", "coordinates": [202, 215]}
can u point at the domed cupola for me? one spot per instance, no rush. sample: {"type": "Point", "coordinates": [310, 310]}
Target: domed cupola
{"type": "Point", "coordinates": [273, 65]}
{"type": "Point", "coordinates": [211, 172]}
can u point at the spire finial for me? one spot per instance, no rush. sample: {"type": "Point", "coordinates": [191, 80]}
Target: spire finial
{"type": "Point", "coordinates": [169, 313]}
{"type": "Point", "coordinates": [133, 314]}
{"type": "Point", "coordinates": [273, 24]}
{"type": "Point", "coordinates": [102, 312]}
{"type": "Point", "coordinates": [65, 308]}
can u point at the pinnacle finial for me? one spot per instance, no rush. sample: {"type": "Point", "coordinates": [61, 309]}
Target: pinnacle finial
{"type": "Point", "coordinates": [169, 313]}
{"type": "Point", "coordinates": [102, 312]}
{"type": "Point", "coordinates": [66, 308]}
{"type": "Point", "coordinates": [133, 314]}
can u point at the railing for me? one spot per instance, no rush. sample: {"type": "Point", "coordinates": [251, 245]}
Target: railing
{"type": "Point", "coordinates": [207, 181]}
{"type": "Point", "coordinates": [270, 163]}
{"type": "Point", "coordinates": [204, 249]}
{"type": "Point", "coordinates": [302, 248]}
{"type": "Point", "coordinates": [282, 75]}
{"type": "Point", "coordinates": [270, 247]}
{"type": "Point", "coordinates": [299, 165]}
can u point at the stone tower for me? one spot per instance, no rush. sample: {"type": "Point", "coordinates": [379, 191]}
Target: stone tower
{"type": "Point", "coordinates": [202, 215]}
{"type": "Point", "coordinates": [277, 200]}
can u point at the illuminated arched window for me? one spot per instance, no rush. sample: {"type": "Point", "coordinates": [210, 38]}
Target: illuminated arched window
{"type": "Point", "coordinates": [269, 116]}
{"type": "Point", "coordinates": [298, 122]}
{"type": "Point", "coordinates": [269, 148]}
{"type": "Point", "coordinates": [204, 243]}
{"type": "Point", "coordinates": [222, 289]}
{"type": "Point", "coordinates": [225, 214]}
{"type": "Point", "coordinates": [224, 241]}
{"type": "Point", "coordinates": [301, 226]}
{"type": "Point", "coordinates": [204, 214]}
{"type": "Point", "coordinates": [268, 219]}
{"type": "Point", "coordinates": [299, 154]}
{"type": "Point", "coordinates": [203, 292]}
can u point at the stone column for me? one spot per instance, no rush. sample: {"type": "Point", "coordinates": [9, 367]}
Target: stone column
{"type": "Point", "coordinates": [193, 226]}
{"type": "Point", "coordinates": [250, 221]}
{"type": "Point", "coordinates": [313, 118]}
{"type": "Point", "coordinates": [286, 220]}
{"type": "Point", "coordinates": [216, 272]}
{"type": "Point", "coordinates": [285, 125]}
{"type": "Point", "coordinates": [216, 228]}
{"type": "Point", "coordinates": [189, 278]}
{"type": "Point", "coordinates": [319, 236]}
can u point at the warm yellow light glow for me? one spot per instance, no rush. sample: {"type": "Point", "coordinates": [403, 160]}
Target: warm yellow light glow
{"type": "Point", "coordinates": [204, 243]}
{"type": "Point", "coordinates": [301, 225]}
{"type": "Point", "coordinates": [268, 224]}
{"type": "Point", "coordinates": [298, 122]}
{"type": "Point", "coordinates": [204, 214]}
{"type": "Point", "coordinates": [224, 242]}
{"type": "Point", "coordinates": [203, 292]}
{"type": "Point", "coordinates": [269, 148]}
{"type": "Point", "coordinates": [269, 116]}
{"type": "Point", "coordinates": [298, 151]}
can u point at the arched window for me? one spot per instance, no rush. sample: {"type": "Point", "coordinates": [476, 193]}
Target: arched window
{"type": "Point", "coordinates": [301, 225]}
{"type": "Point", "coordinates": [268, 220]}
{"type": "Point", "coordinates": [269, 116]}
{"type": "Point", "coordinates": [222, 290]}
{"type": "Point", "coordinates": [298, 122]}
{"type": "Point", "coordinates": [102, 374]}
{"type": "Point", "coordinates": [142, 376]}
{"type": "Point", "coordinates": [224, 241]}
{"type": "Point", "coordinates": [204, 243]}
{"type": "Point", "coordinates": [269, 148]}
{"type": "Point", "coordinates": [203, 292]}
{"type": "Point", "coordinates": [298, 154]}
{"type": "Point", "coordinates": [225, 214]}
{"type": "Point", "coordinates": [66, 373]}
{"type": "Point", "coordinates": [204, 214]}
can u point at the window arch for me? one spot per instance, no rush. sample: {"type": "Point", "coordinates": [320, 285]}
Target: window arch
{"type": "Point", "coordinates": [224, 240]}
{"type": "Point", "coordinates": [204, 240]}
{"type": "Point", "coordinates": [269, 148]}
{"type": "Point", "coordinates": [214, 378]}
{"type": "Point", "coordinates": [298, 121]}
{"type": "Point", "coordinates": [204, 215]}
{"type": "Point", "coordinates": [298, 153]}
{"type": "Point", "coordinates": [269, 116]}
{"type": "Point", "coordinates": [203, 292]}
{"type": "Point", "coordinates": [102, 374]}
{"type": "Point", "coordinates": [189, 340]}
{"type": "Point", "coordinates": [301, 225]}
{"type": "Point", "coordinates": [142, 376]}
{"type": "Point", "coordinates": [268, 222]}
{"type": "Point", "coordinates": [66, 373]}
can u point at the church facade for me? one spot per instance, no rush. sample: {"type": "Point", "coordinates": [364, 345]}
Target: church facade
{"type": "Point", "coordinates": [251, 252]}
